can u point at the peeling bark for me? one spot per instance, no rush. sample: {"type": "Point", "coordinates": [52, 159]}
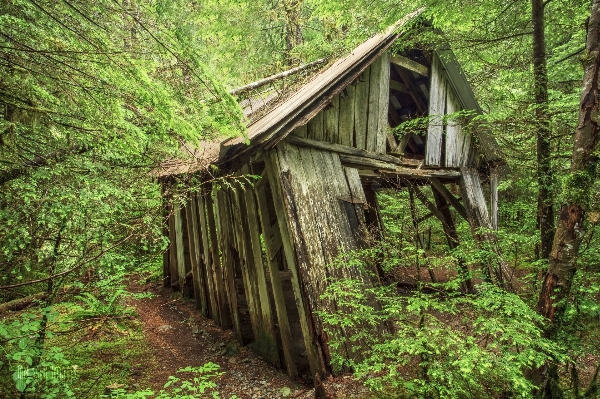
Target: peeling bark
{"type": "Point", "coordinates": [570, 228]}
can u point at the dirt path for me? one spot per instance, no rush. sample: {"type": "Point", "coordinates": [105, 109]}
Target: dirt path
{"type": "Point", "coordinates": [180, 336]}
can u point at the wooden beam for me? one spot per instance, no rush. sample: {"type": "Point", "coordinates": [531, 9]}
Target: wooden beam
{"type": "Point", "coordinates": [425, 201]}
{"type": "Point", "coordinates": [410, 65]}
{"type": "Point", "coordinates": [342, 149]}
{"type": "Point", "coordinates": [449, 197]}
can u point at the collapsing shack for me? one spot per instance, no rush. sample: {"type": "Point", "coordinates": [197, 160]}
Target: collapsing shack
{"type": "Point", "coordinates": [258, 253]}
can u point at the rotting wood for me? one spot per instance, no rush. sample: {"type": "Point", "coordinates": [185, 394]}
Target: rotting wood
{"type": "Point", "coordinates": [409, 64]}
{"type": "Point", "coordinates": [195, 257]}
{"type": "Point", "coordinates": [315, 127]}
{"type": "Point", "coordinates": [242, 243]}
{"type": "Point", "coordinates": [277, 289]}
{"type": "Point", "coordinates": [283, 205]}
{"type": "Point", "coordinates": [174, 279]}
{"type": "Point", "coordinates": [300, 131]}
{"type": "Point", "coordinates": [179, 246]}
{"type": "Point", "coordinates": [209, 276]}
{"type": "Point", "coordinates": [494, 197]}
{"type": "Point", "coordinates": [331, 116]}
{"type": "Point", "coordinates": [391, 141]}
{"type": "Point", "coordinates": [342, 149]}
{"type": "Point", "coordinates": [384, 92]}
{"type": "Point", "coordinates": [367, 162]}
{"type": "Point", "coordinates": [374, 104]}
{"type": "Point", "coordinates": [267, 340]}
{"type": "Point", "coordinates": [361, 109]}
{"type": "Point", "coordinates": [223, 219]}
{"type": "Point", "coordinates": [437, 103]}
{"type": "Point", "coordinates": [219, 282]}
{"type": "Point", "coordinates": [346, 116]}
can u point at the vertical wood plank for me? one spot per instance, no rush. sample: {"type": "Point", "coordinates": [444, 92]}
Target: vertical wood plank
{"type": "Point", "coordinates": [454, 136]}
{"type": "Point", "coordinates": [217, 266]}
{"type": "Point", "coordinates": [301, 131]}
{"type": "Point", "coordinates": [346, 120]}
{"type": "Point", "coordinates": [266, 343]}
{"type": "Point", "coordinates": [195, 257]}
{"type": "Point", "coordinates": [437, 104]}
{"type": "Point", "coordinates": [284, 205]}
{"type": "Point", "coordinates": [179, 246]}
{"type": "Point", "coordinates": [373, 110]}
{"type": "Point", "coordinates": [315, 127]}
{"type": "Point", "coordinates": [384, 93]}
{"type": "Point", "coordinates": [361, 109]}
{"type": "Point", "coordinates": [174, 276]}
{"type": "Point", "coordinates": [282, 316]}
{"type": "Point", "coordinates": [494, 197]}
{"type": "Point", "coordinates": [331, 115]}
{"type": "Point", "coordinates": [209, 275]}
{"type": "Point", "coordinates": [223, 222]}
{"type": "Point", "coordinates": [241, 233]}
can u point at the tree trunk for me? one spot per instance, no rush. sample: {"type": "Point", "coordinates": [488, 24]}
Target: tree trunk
{"type": "Point", "coordinates": [540, 87]}
{"type": "Point", "coordinates": [584, 162]}
{"type": "Point", "coordinates": [293, 28]}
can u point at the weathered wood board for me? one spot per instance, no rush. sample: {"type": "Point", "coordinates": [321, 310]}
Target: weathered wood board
{"type": "Point", "coordinates": [437, 106]}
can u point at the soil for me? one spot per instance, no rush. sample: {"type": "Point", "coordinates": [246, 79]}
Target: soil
{"type": "Point", "coordinates": [180, 337]}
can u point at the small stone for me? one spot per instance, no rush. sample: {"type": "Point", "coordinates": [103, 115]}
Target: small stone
{"type": "Point", "coordinates": [246, 360]}
{"type": "Point", "coordinates": [233, 360]}
{"type": "Point", "coordinates": [164, 327]}
{"type": "Point", "coordinates": [285, 392]}
{"type": "Point", "coordinates": [195, 330]}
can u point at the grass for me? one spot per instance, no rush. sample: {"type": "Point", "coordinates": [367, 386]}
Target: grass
{"type": "Point", "coordinates": [101, 351]}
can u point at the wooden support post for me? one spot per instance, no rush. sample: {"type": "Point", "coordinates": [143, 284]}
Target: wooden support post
{"type": "Point", "coordinates": [210, 309]}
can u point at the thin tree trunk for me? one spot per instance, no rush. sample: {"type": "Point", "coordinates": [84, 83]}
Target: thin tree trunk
{"type": "Point", "coordinates": [544, 173]}
{"type": "Point", "coordinates": [584, 162]}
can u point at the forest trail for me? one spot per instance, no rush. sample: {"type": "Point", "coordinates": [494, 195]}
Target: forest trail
{"type": "Point", "coordinates": [180, 336]}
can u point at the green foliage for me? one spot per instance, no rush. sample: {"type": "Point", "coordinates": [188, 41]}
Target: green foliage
{"type": "Point", "coordinates": [198, 386]}
{"type": "Point", "coordinates": [441, 346]}
{"type": "Point", "coordinates": [34, 367]}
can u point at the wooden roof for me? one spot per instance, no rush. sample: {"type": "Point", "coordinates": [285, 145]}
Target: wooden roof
{"type": "Point", "coordinates": [301, 105]}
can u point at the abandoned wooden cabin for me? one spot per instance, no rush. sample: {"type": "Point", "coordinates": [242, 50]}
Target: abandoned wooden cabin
{"type": "Point", "coordinates": [258, 254]}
